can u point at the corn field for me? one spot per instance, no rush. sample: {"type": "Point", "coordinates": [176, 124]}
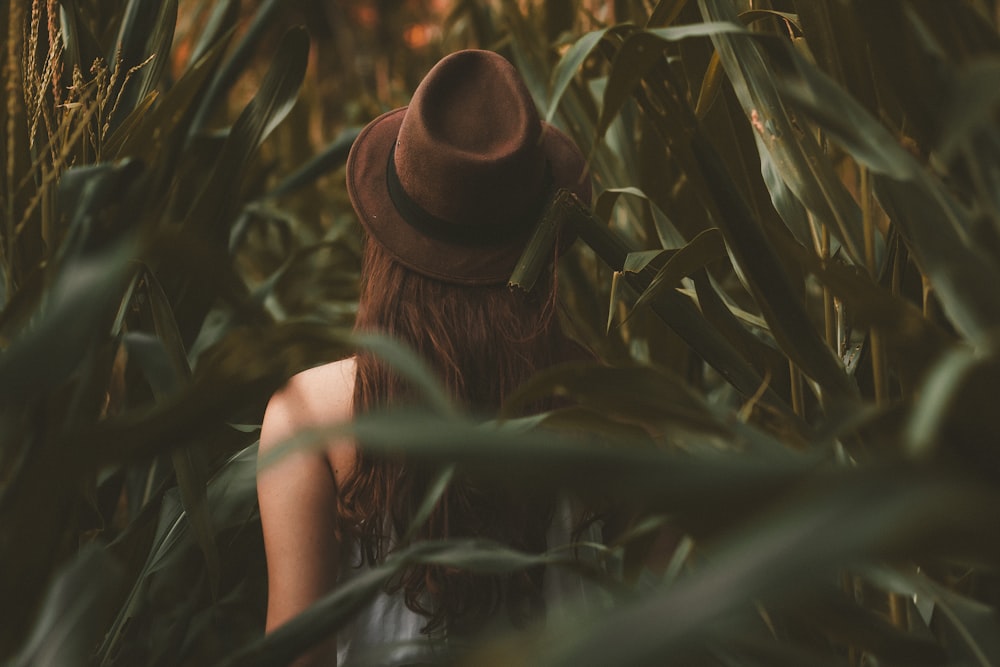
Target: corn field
{"type": "Point", "coordinates": [790, 272]}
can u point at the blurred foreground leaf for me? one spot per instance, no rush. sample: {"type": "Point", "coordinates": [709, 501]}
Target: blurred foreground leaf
{"type": "Point", "coordinates": [78, 604]}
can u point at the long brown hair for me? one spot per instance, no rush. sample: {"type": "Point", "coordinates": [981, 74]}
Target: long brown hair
{"type": "Point", "coordinates": [482, 342]}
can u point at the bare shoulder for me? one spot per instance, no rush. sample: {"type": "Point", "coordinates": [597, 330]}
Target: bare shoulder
{"type": "Point", "coordinates": [315, 397]}
{"type": "Point", "coordinates": [322, 391]}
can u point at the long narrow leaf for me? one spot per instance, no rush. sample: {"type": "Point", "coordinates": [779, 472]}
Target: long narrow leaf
{"type": "Point", "coordinates": [73, 613]}
{"type": "Point", "coordinates": [269, 107]}
{"type": "Point", "coordinates": [785, 314]}
{"type": "Point", "coordinates": [797, 154]}
{"type": "Point", "coordinates": [567, 68]}
{"type": "Point", "coordinates": [937, 227]}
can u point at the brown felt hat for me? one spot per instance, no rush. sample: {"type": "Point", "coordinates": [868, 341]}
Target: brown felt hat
{"type": "Point", "coordinates": [452, 185]}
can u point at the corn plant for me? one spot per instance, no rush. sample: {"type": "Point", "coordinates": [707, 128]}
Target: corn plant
{"type": "Point", "coordinates": [127, 200]}
{"type": "Point", "coordinates": [788, 271]}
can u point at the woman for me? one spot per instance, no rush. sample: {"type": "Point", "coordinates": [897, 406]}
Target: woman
{"type": "Point", "coordinates": [448, 191]}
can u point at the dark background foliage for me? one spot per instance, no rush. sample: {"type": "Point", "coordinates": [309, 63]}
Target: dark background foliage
{"type": "Point", "coordinates": [789, 270]}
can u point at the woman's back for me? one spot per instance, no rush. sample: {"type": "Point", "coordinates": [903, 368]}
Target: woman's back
{"type": "Point", "coordinates": [385, 631]}
{"type": "Point", "coordinates": [448, 190]}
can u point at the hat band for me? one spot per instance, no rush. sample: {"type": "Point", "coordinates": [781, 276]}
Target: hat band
{"type": "Point", "coordinates": [438, 229]}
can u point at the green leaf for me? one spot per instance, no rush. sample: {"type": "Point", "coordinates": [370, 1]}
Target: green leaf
{"type": "Point", "coordinates": [411, 367]}
{"type": "Point", "coordinates": [86, 190]}
{"type": "Point", "coordinates": [785, 202]}
{"type": "Point", "coordinates": [916, 342]}
{"type": "Point", "coordinates": [146, 34]}
{"type": "Point", "coordinates": [838, 41]}
{"type": "Point", "coordinates": [848, 621]}
{"type": "Point", "coordinates": [189, 463]}
{"type": "Point", "coordinates": [849, 123]}
{"type": "Point", "coordinates": [637, 261]}
{"type": "Point", "coordinates": [675, 310]}
{"type": "Point", "coordinates": [705, 29]}
{"type": "Point", "coordinates": [74, 612]}
{"type": "Point", "coordinates": [244, 368]}
{"type": "Point", "coordinates": [277, 95]}
{"type": "Point", "coordinates": [703, 249]}
{"type": "Point", "coordinates": [332, 612]}
{"type": "Point", "coordinates": [81, 47]}
{"type": "Point", "coordinates": [231, 499]}
{"type": "Point", "coordinates": [129, 125]}
{"type": "Point", "coordinates": [936, 399]}
{"type": "Point", "coordinates": [960, 271]}
{"type": "Point", "coordinates": [691, 486]}
{"type": "Point", "coordinates": [568, 66]}
{"type": "Point", "coordinates": [638, 54]}
{"type": "Point", "coordinates": [332, 157]}
{"type": "Point", "coordinates": [165, 122]}
{"type": "Point", "coordinates": [149, 353]}
{"type": "Point", "coordinates": [437, 488]}
{"type": "Point", "coordinates": [710, 86]}
{"type": "Point", "coordinates": [789, 553]}
{"type": "Point", "coordinates": [242, 55]}
{"type": "Point", "coordinates": [665, 13]}
{"type": "Point", "coordinates": [759, 349]}
{"type": "Point", "coordinates": [971, 106]}
{"type": "Point", "coordinates": [220, 23]}
{"type": "Point", "coordinates": [936, 226]}
{"type": "Point", "coordinates": [607, 199]}
{"type": "Point", "coordinates": [83, 300]}
{"type": "Point", "coordinates": [752, 15]}
{"type": "Point", "coordinates": [974, 625]}
{"type": "Point", "coordinates": [746, 650]}
{"type": "Point", "coordinates": [785, 313]}
{"type": "Point", "coordinates": [804, 167]}
{"type": "Point", "coordinates": [483, 557]}
{"type": "Point", "coordinates": [638, 394]}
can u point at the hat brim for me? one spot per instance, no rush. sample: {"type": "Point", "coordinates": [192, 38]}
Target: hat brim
{"type": "Point", "coordinates": [479, 265]}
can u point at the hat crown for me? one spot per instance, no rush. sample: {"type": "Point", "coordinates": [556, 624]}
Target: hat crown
{"type": "Point", "coordinates": [469, 147]}
{"type": "Point", "coordinates": [452, 185]}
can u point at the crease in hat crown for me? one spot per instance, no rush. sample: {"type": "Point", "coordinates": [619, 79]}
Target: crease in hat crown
{"type": "Point", "coordinates": [469, 150]}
